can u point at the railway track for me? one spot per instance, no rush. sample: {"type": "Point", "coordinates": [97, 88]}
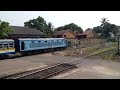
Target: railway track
{"type": "Point", "coordinates": [48, 72]}
{"type": "Point", "coordinates": [42, 73]}
{"type": "Point", "coordinates": [52, 70]}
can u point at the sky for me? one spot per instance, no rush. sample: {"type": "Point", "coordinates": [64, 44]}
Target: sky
{"type": "Point", "coordinates": [84, 19]}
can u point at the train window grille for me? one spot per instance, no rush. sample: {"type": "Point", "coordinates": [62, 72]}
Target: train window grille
{"type": "Point", "coordinates": [11, 45]}
{"type": "Point", "coordinates": [33, 45]}
{"type": "Point", "coordinates": [5, 46]}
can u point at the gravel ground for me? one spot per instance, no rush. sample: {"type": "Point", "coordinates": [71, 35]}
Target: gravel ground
{"type": "Point", "coordinates": [20, 64]}
{"type": "Point", "coordinates": [89, 69]}
{"type": "Point", "coordinates": [96, 69]}
{"type": "Point", "coordinates": [8, 67]}
{"type": "Point", "coordinates": [47, 58]}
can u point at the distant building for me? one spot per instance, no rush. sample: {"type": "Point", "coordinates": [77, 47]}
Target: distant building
{"type": "Point", "coordinates": [99, 34]}
{"type": "Point", "coordinates": [64, 34]}
{"type": "Point", "coordinates": [25, 32]}
{"type": "Point", "coordinates": [111, 34]}
{"type": "Point", "coordinates": [88, 33]}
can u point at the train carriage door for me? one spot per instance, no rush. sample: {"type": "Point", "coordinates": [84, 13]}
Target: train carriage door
{"type": "Point", "coordinates": [22, 45]}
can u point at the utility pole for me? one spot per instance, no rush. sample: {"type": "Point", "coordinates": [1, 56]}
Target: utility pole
{"type": "Point", "coordinates": [118, 45]}
{"type": "Point", "coordinates": [118, 41]}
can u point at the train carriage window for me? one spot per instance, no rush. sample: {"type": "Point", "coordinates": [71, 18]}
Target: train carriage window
{"type": "Point", "coordinates": [11, 45]}
{"type": "Point", "coordinates": [32, 42]}
{"type": "Point", "coordinates": [5, 46]}
{"type": "Point", "coordinates": [22, 45]}
{"type": "Point", "coordinates": [0, 46]}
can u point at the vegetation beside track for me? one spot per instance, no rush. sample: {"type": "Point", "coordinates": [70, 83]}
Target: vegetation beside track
{"type": "Point", "coordinates": [105, 52]}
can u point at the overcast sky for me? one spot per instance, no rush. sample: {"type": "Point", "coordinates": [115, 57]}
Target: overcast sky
{"type": "Point", "coordinates": [85, 19]}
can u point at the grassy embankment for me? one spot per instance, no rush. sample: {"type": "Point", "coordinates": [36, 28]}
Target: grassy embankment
{"type": "Point", "coordinates": [105, 52]}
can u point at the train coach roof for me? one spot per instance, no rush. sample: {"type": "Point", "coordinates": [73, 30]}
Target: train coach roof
{"type": "Point", "coordinates": [1, 40]}
{"type": "Point", "coordinates": [42, 39]}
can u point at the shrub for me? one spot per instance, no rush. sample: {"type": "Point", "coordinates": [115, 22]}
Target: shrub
{"type": "Point", "coordinates": [111, 39]}
{"type": "Point", "coordinates": [69, 44]}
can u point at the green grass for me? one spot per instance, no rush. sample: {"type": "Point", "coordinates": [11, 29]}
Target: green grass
{"type": "Point", "coordinates": [111, 56]}
{"type": "Point", "coordinates": [104, 56]}
{"type": "Point", "coordinates": [92, 51]}
{"type": "Point", "coordinates": [103, 50]}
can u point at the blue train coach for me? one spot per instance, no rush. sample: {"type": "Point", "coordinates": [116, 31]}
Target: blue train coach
{"type": "Point", "coordinates": [30, 44]}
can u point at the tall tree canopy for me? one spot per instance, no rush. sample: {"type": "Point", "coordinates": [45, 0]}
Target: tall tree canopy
{"type": "Point", "coordinates": [49, 30]}
{"type": "Point", "coordinates": [40, 24]}
{"type": "Point", "coordinates": [105, 28]}
{"type": "Point", "coordinates": [4, 29]}
{"type": "Point", "coordinates": [71, 26]}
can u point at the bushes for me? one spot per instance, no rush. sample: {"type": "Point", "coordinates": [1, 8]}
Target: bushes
{"type": "Point", "coordinates": [111, 39]}
{"type": "Point", "coordinates": [73, 43]}
{"type": "Point", "coordinates": [69, 44]}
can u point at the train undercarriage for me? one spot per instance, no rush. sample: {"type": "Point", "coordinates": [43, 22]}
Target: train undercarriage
{"type": "Point", "coordinates": [32, 52]}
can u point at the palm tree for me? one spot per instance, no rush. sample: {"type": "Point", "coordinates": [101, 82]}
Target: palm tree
{"type": "Point", "coordinates": [104, 21]}
{"type": "Point", "coordinates": [50, 29]}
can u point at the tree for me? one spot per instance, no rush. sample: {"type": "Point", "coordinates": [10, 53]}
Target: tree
{"type": "Point", "coordinates": [105, 28]}
{"type": "Point", "coordinates": [40, 24]}
{"type": "Point", "coordinates": [104, 21]}
{"type": "Point", "coordinates": [4, 29]}
{"type": "Point", "coordinates": [49, 30]}
{"type": "Point", "coordinates": [98, 29]}
{"type": "Point", "coordinates": [71, 26]}
{"type": "Point", "coordinates": [59, 28]}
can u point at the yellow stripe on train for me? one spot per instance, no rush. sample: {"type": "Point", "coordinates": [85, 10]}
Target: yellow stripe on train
{"type": "Point", "coordinates": [7, 50]}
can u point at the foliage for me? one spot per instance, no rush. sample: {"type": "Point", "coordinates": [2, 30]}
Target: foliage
{"type": "Point", "coordinates": [4, 29]}
{"type": "Point", "coordinates": [59, 28]}
{"type": "Point", "coordinates": [40, 24]}
{"type": "Point", "coordinates": [49, 30]}
{"type": "Point", "coordinates": [71, 26]}
{"type": "Point", "coordinates": [69, 43]}
{"type": "Point", "coordinates": [112, 39]}
{"type": "Point", "coordinates": [103, 50]}
{"type": "Point", "coordinates": [76, 43]}
{"type": "Point", "coordinates": [112, 56]}
{"type": "Point", "coordinates": [105, 28]}
{"type": "Point", "coordinates": [73, 43]}
{"type": "Point", "coordinates": [98, 29]}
